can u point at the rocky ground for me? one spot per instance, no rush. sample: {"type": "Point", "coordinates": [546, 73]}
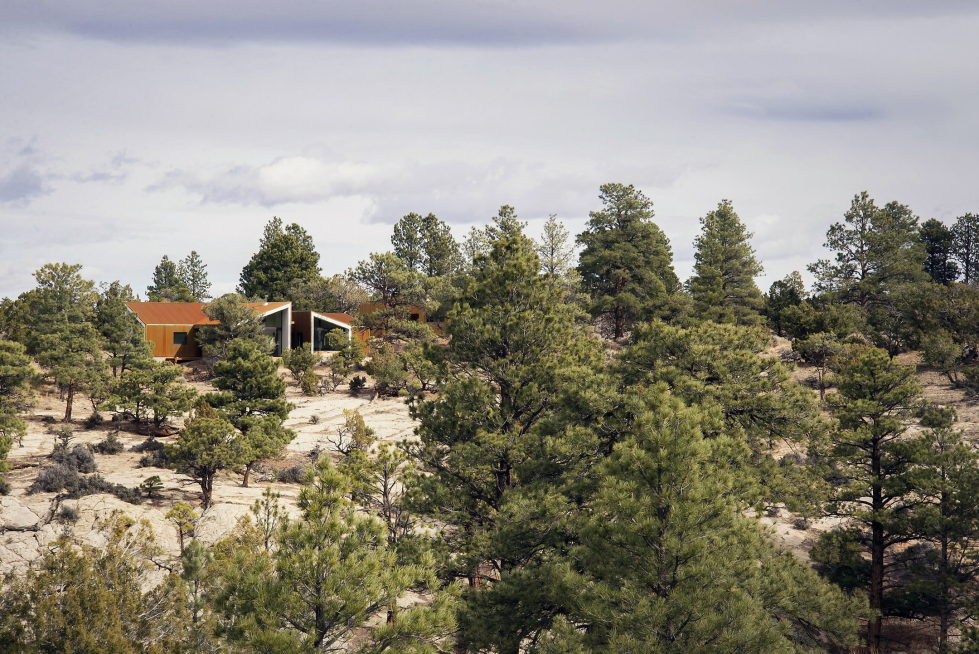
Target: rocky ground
{"type": "Point", "coordinates": [30, 522]}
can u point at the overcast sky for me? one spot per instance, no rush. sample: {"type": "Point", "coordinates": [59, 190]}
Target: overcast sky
{"type": "Point", "coordinates": [128, 132]}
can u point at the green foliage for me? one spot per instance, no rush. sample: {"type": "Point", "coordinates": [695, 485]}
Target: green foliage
{"type": "Point", "coordinates": [965, 235]}
{"type": "Point", "coordinates": [73, 356]}
{"type": "Point", "coordinates": [151, 486]}
{"type": "Point", "coordinates": [286, 257]}
{"type": "Point", "coordinates": [207, 445]}
{"type": "Point", "coordinates": [343, 362]}
{"type": "Point", "coordinates": [389, 280]}
{"type": "Point", "coordinates": [184, 518]}
{"type": "Point", "coordinates": [336, 294]}
{"type": "Point", "coordinates": [235, 321]}
{"type": "Point", "coordinates": [123, 335]}
{"type": "Point", "coordinates": [299, 361]}
{"type": "Point", "coordinates": [667, 562]}
{"type": "Point", "coordinates": [821, 351]}
{"type": "Point", "coordinates": [939, 242]}
{"type": "Point", "coordinates": [252, 397]}
{"type": "Point", "coordinates": [168, 284]}
{"type": "Point", "coordinates": [90, 600]}
{"type": "Point", "coordinates": [874, 462]}
{"type": "Point", "coordinates": [386, 367]}
{"type": "Point", "coordinates": [626, 264]}
{"type": "Point", "coordinates": [60, 298]}
{"type": "Point", "coordinates": [425, 244]}
{"type": "Point", "coordinates": [152, 392]}
{"type": "Point", "coordinates": [193, 272]}
{"type": "Point", "coordinates": [783, 295]}
{"type": "Point", "coordinates": [16, 375]}
{"type": "Point", "coordinates": [329, 574]}
{"type": "Point", "coordinates": [723, 283]}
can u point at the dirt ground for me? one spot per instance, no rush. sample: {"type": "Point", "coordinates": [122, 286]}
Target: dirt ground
{"type": "Point", "coordinates": [27, 525]}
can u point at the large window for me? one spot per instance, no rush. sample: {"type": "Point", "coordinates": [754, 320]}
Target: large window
{"type": "Point", "coordinates": [180, 338]}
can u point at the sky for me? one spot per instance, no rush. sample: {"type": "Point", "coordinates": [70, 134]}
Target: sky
{"type": "Point", "coordinates": [129, 131]}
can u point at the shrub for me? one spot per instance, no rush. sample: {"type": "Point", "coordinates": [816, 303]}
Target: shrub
{"type": "Point", "coordinates": [293, 475]}
{"type": "Point", "coordinates": [358, 383]}
{"type": "Point", "coordinates": [78, 458]}
{"type": "Point", "coordinates": [149, 445]}
{"type": "Point", "coordinates": [299, 361]}
{"type": "Point", "coordinates": [111, 444]}
{"type": "Point", "coordinates": [151, 486]}
{"type": "Point", "coordinates": [53, 479]}
{"type": "Point", "coordinates": [49, 420]}
{"type": "Point", "coordinates": [68, 514]}
{"type": "Point", "coordinates": [314, 419]}
{"type": "Point", "coordinates": [309, 383]}
{"type": "Point", "coordinates": [94, 420]}
{"type": "Point", "coordinates": [155, 459]}
{"type": "Point", "coordinates": [63, 435]}
{"type": "Point", "coordinates": [4, 486]}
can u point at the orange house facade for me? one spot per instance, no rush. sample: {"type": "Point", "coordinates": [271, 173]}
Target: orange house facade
{"type": "Point", "coordinates": [171, 327]}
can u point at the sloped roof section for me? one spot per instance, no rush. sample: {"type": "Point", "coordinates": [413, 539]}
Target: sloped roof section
{"type": "Point", "coordinates": [188, 313]}
{"type": "Point", "coordinates": [344, 318]}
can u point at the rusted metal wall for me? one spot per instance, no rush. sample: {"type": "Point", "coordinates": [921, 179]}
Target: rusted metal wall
{"type": "Point", "coordinates": [161, 336]}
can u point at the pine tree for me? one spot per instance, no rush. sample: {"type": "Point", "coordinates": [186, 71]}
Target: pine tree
{"type": "Point", "coordinates": [949, 522]}
{"type": "Point", "coordinates": [869, 451]}
{"type": "Point", "coordinates": [193, 273]}
{"type": "Point", "coordinates": [15, 396]}
{"type": "Point", "coordinates": [389, 280]}
{"type": "Point", "coordinates": [150, 391]}
{"type": "Point", "coordinates": [784, 294]}
{"type": "Point", "coordinates": [723, 283]}
{"type": "Point", "coordinates": [667, 562]}
{"type": "Point", "coordinates": [207, 445]}
{"type": "Point", "coordinates": [626, 264]}
{"type": "Point", "coordinates": [875, 249]}
{"type": "Point", "coordinates": [336, 294]}
{"type": "Point", "coordinates": [168, 284]}
{"type": "Point", "coordinates": [121, 331]}
{"type": "Point", "coordinates": [408, 242]}
{"type": "Point", "coordinates": [60, 299]}
{"type": "Point", "coordinates": [285, 257]}
{"type": "Point", "coordinates": [235, 321]}
{"type": "Point", "coordinates": [73, 357]}
{"type": "Point", "coordinates": [939, 244]}
{"type": "Point", "coordinates": [516, 353]}
{"type": "Point", "coordinates": [329, 575]}
{"type": "Point", "coordinates": [252, 397]}
{"type": "Point", "coordinates": [965, 233]}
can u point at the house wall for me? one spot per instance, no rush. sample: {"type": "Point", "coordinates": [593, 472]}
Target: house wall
{"type": "Point", "coordinates": [161, 337]}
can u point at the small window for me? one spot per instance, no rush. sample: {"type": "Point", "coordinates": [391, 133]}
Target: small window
{"type": "Point", "coordinates": [180, 338]}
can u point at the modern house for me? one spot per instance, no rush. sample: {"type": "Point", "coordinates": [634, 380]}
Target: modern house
{"type": "Point", "coordinates": [311, 328]}
{"type": "Point", "coordinates": [171, 326]}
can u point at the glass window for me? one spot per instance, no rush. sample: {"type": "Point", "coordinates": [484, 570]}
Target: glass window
{"type": "Point", "coordinates": [179, 338]}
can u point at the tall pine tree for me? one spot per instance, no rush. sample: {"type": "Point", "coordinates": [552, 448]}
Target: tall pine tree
{"type": "Point", "coordinates": [626, 264]}
{"type": "Point", "coordinates": [723, 283]}
{"type": "Point", "coordinates": [286, 256]}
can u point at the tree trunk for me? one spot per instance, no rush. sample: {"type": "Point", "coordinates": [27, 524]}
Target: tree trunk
{"type": "Point", "coordinates": [69, 399]}
{"type": "Point", "coordinates": [207, 486]}
{"type": "Point", "coordinates": [244, 478]}
{"type": "Point", "coordinates": [876, 555]}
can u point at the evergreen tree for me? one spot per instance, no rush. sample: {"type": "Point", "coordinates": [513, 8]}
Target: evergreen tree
{"type": "Point", "coordinates": [91, 600]}
{"type": "Point", "coordinates": [252, 397]}
{"type": "Point", "coordinates": [389, 280]}
{"type": "Point", "coordinates": [783, 295]}
{"type": "Point", "coordinates": [875, 249]}
{"type": "Point", "coordinates": [207, 445]}
{"type": "Point", "coordinates": [965, 234]}
{"type": "Point", "coordinates": [948, 521]}
{"type": "Point", "coordinates": [150, 391]}
{"type": "Point", "coordinates": [626, 264]}
{"type": "Point", "coordinates": [15, 395]}
{"type": "Point", "coordinates": [876, 463]}
{"type": "Point", "coordinates": [939, 244]}
{"type": "Point", "coordinates": [336, 294]}
{"type": "Point", "coordinates": [286, 256]}
{"type": "Point", "coordinates": [60, 298]}
{"type": "Point", "coordinates": [439, 248]}
{"type": "Point", "coordinates": [408, 242]}
{"type": "Point", "coordinates": [667, 562]}
{"type": "Point", "coordinates": [73, 357]}
{"type": "Point", "coordinates": [235, 321]}
{"type": "Point", "coordinates": [723, 283]}
{"type": "Point", "coordinates": [193, 272]}
{"type": "Point", "coordinates": [515, 353]}
{"type": "Point", "coordinates": [121, 331]}
{"type": "Point", "coordinates": [168, 284]}
{"type": "Point", "coordinates": [329, 575]}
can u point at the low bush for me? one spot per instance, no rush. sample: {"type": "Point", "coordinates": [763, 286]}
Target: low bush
{"type": "Point", "coordinates": [293, 475]}
{"type": "Point", "coordinates": [149, 445]}
{"type": "Point", "coordinates": [59, 478]}
{"type": "Point", "coordinates": [4, 486]}
{"type": "Point", "coordinates": [68, 514]}
{"type": "Point", "coordinates": [358, 383]}
{"type": "Point", "coordinates": [111, 445]}
{"type": "Point", "coordinates": [154, 459]}
{"type": "Point", "coordinates": [78, 458]}
{"type": "Point", "coordinates": [94, 421]}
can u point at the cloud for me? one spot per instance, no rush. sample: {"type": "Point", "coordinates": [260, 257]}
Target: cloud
{"type": "Point", "coordinates": [432, 22]}
{"type": "Point", "coordinates": [460, 191]}
{"type": "Point", "coordinates": [22, 177]}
